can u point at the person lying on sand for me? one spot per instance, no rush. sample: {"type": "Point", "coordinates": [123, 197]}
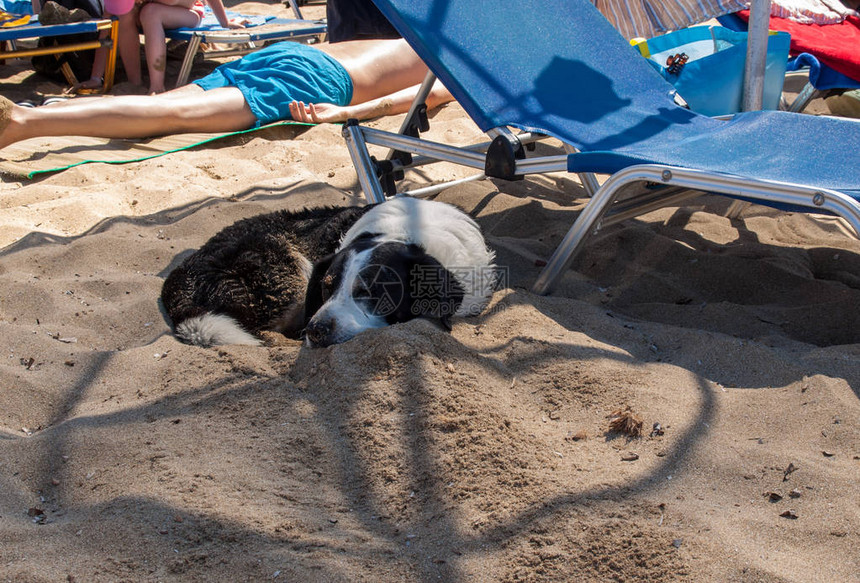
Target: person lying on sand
{"type": "Point", "coordinates": [357, 79]}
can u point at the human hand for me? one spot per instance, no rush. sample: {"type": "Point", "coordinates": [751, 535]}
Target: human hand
{"type": "Point", "coordinates": [235, 23]}
{"type": "Point", "coordinates": [317, 112]}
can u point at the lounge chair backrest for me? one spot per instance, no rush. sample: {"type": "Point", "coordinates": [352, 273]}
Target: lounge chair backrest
{"type": "Point", "coordinates": [558, 68]}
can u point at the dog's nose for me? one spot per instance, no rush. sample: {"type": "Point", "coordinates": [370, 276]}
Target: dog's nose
{"type": "Point", "coordinates": [317, 333]}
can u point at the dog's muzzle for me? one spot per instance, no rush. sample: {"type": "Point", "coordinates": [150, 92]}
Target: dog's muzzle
{"type": "Point", "coordinates": [319, 334]}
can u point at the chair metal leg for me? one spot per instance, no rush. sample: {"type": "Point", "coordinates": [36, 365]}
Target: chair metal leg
{"type": "Point", "coordinates": [437, 188]}
{"type": "Point", "coordinates": [185, 70]}
{"type": "Point", "coordinates": [807, 94]}
{"type": "Point", "coordinates": [589, 182]}
{"type": "Point", "coordinates": [584, 225]}
{"type": "Point", "coordinates": [294, 4]}
{"type": "Point", "coordinates": [420, 99]}
{"type": "Point", "coordinates": [110, 65]}
{"type": "Point", "coordinates": [364, 166]}
{"type": "Point", "coordinates": [587, 179]}
{"type": "Point", "coordinates": [68, 74]}
{"type": "Point", "coordinates": [816, 200]}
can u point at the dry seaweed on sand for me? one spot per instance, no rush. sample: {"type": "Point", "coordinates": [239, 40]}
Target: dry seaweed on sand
{"type": "Point", "coordinates": [625, 421]}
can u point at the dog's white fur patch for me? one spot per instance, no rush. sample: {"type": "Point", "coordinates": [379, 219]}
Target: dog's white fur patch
{"type": "Point", "coordinates": [446, 233]}
{"type": "Point", "coordinates": [213, 329]}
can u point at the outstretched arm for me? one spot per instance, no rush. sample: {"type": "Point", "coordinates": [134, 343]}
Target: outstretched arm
{"type": "Point", "coordinates": [220, 13]}
{"type": "Point", "coordinates": [393, 104]}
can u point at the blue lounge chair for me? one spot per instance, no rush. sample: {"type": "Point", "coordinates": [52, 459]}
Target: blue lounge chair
{"type": "Point", "coordinates": [10, 37]}
{"type": "Point", "coordinates": [568, 74]}
{"type": "Point", "coordinates": [259, 31]}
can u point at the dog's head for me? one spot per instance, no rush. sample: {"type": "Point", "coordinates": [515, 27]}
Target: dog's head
{"type": "Point", "coordinates": [373, 283]}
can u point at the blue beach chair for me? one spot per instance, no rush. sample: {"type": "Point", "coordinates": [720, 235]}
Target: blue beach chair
{"type": "Point", "coordinates": [11, 36]}
{"type": "Point", "coordinates": [568, 74]}
{"type": "Point", "coordinates": [259, 31]}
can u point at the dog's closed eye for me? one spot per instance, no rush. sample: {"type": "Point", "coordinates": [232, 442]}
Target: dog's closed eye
{"type": "Point", "coordinates": [327, 286]}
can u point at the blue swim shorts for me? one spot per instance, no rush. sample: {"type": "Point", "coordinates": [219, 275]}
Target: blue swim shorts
{"type": "Point", "coordinates": [272, 77]}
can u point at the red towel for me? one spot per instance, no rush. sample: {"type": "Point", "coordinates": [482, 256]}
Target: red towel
{"type": "Point", "coordinates": [835, 45]}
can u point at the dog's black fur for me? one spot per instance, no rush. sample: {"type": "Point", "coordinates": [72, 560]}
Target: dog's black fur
{"type": "Point", "coordinates": [332, 273]}
{"type": "Point", "coordinates": [256, 270]}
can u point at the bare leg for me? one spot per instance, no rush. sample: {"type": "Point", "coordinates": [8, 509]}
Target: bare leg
{"type": "Point", "coordinates": [188, 109]}
{"type": "Point", "coordinates": [154, 18]}
{"type": "Point", "coordinates": [128, 47]}
{"type": "Point", "coordinates": [99, 68]}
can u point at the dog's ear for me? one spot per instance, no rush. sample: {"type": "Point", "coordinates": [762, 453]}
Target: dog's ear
{"type": "Point", "coordinates": [364, 241]}
{"type": "Point", "coordinates": [314, 295]}
{"type": "Point", "coordinates": [366, 236]}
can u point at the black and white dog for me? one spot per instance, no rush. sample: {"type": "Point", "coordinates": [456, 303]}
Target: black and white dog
{"type": "Point", "coordinates": [331, 273]}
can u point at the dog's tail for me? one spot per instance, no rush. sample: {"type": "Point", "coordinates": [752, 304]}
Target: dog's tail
{"type": "Point", "coordinates": [211, 329]}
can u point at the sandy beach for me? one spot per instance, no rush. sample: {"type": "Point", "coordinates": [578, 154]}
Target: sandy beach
{"type": "Point", "coordinates": [408, 453]}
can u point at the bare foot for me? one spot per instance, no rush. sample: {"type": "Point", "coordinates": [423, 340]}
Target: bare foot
{"type": "Point", "coordinates": [14, 122]}
{"type": "Point", "coordinates": [88, 86]}
{"type": "Point", "coordinates": [5, 117]}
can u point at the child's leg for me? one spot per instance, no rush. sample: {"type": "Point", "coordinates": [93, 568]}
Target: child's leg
{"type": "Point", "coordinates": [154, 18]}
{"type": "Point", "coordinates": [128, 47]}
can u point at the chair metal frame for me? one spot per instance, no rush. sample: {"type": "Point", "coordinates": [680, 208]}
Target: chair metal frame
{"type": "Point", "coordinates": [36, 31]}
{"type": "Point", "coordinates": [626, 194]}
{"type": "Point", "coordinates": [245, 40]}
{"type": "Point", "coordinates": [642, 175]}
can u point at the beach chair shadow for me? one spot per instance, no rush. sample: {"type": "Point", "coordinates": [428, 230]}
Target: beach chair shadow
{"type": "Point", "coordinates": [571, 76]}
